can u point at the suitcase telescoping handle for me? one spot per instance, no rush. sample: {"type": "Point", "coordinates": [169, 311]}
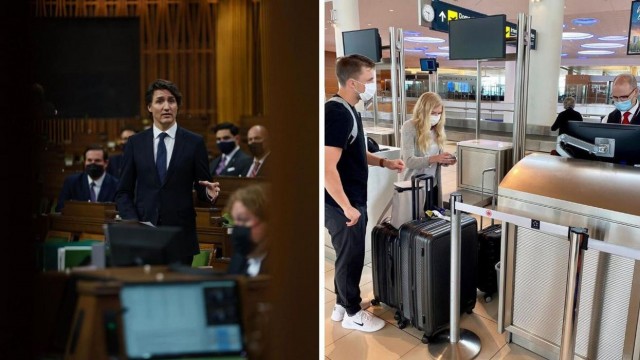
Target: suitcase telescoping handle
{"type": "Point", "coordinates": [493, 196]}
{"type": "Point", "coordinates": [416, 211]}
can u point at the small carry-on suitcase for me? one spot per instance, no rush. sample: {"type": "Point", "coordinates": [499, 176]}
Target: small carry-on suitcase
{"type": "Point", "coordinates": [430, 252]}
{"type": "Point", "coordinates": [390, 261]}
{"type": "Point", "coordinates": [488, 251]}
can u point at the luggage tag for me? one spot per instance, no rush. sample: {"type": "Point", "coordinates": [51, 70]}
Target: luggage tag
{"type": "Point", "coordinates": [439, 215]}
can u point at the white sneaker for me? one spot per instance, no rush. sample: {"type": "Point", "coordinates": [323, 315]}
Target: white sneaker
{"type": "Point", "coordinates": [338, 313]}
{"type": "Point", "coordinates": [363, 321]}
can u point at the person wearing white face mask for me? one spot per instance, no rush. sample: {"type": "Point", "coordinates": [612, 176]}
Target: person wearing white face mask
{"type": "Point", "coordinates": [624, 94]}
{"type": "Point", "coordinates": [346, 170]}
{"type": "Point", "coordinates": [422, 143]}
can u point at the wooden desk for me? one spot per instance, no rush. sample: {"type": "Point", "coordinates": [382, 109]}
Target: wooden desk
{"type": "Point", "coordinates": [98, 295]}
{"type": "Point", "coordinates": [79, 216]}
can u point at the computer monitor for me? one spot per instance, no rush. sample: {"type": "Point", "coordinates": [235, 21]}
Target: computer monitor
{"type": "Point", "coordinates": [428, 64]}
{"type": "Point", "coordinates": [624, 149]}
{"type": "Point", "coordinates": [477, 38]}
{"type": "Point", "coordinates": [186, 319]}
{"type": "Point", "coordinates": [134, 244]}
{"type": "Point", "coordinates": [365, 42]}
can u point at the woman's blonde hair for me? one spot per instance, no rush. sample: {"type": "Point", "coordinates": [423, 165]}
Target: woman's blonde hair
{"type": "Point", "coordinates": [253, 197]}
{"type": "Point", "coordinates": [421, 116]}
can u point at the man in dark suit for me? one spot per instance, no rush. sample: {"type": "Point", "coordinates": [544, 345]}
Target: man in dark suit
{"type": "Point", "coordinates": [624, 93]}
{"type": "Point", "coordinates": [162, 165]}
{"type": "Point", "coordinates": [259, 145]}
{"type": "Point", "coordinates": [232, 161]}
{"type": "Point", "coordinates": [115, 166]}
{"type": "Point", "coordinates": [93, 184]}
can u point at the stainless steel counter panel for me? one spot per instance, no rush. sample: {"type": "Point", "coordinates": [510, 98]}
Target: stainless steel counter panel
{"type": "Point", "coordinates": [474, 156]}
{"type": "Point", "coordinates": [569, 192]}
{"type": "Point", "coordinates": [595, 184]}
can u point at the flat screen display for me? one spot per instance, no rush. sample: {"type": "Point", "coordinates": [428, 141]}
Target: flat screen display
{"type": "Point", "coordinates": [477, 38]}
{"type": "Point", "coordinates": [181, 319]}
{"type": "Point", "coordinates": [428, 64]}
{"type": "Point", "coordinates": [365, 42]}
{"type": "Point", "coordinates": [633, 45]}
{"type": "Point", "coordinates": [626, 137]}
{"type": "Point", "coordinates": [89, 67]}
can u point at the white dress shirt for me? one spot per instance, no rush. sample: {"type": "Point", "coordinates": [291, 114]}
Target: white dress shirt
{"type": "Point", "coordinates": [169, 141]}
{"type": "Point", "coordinates": [254, 264]}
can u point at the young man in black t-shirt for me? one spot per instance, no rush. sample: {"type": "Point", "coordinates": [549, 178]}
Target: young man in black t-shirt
{"type": "Point", "coordinates": [346, 173]}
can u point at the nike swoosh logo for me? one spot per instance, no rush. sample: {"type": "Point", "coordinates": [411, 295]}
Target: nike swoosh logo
{"type": "Point", "coordinates": [359, 324]}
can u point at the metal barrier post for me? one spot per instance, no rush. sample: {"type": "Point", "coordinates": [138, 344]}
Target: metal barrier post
{"type": "Point", "coordinates": [579, 240]}
{"type": "Point", "coordinates": [458, 343]}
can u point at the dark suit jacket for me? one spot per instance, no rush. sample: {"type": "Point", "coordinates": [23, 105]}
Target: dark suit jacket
{"type": "Point", "coordinates": [76, 187]}
{"type": "Point", "coordinates": [264, 167]}
{"type": "Point", "coordinates": [238, 165]}
{"type": "Point", "coordinates": [615, 117]}
{"type": "Point", "coordinates": [141, 196]}
{"type": "Point", "coordinates": [238, 265]}
{"type": "Point", "coordinates": [563, 118]}
{"type": "Point", "coordinates": [115, 165]}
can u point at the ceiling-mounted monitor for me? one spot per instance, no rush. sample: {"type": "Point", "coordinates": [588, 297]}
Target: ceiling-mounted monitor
{"type": "Point", "coordinates": [365, 42]}
{"type": "Point", "coordinates": [633, 43]}
{"type": "Point", "coordinates": [478, 38]}
{"type": "Point", "coordinates": [428, 64]}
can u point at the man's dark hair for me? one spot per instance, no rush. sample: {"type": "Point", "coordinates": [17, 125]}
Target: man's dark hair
{"type": "Point", "coordinates": [130, 128]}
{"type": "Point", "coordinates": [226, 126]}
{"type": "Point", "coordinates": [97, 147]}
{"type": "Point", "coordinates": [161, 84]}
{"type": "Point", "coordinates": [348, 67]}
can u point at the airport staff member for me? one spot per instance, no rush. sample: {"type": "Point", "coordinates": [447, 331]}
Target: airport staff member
{"type": "Point", "coordinates": [161, 167]}
{"type": "Point", "coordinates": [346, 174]}
{"type": "Point", "coordinates": [625, 98]}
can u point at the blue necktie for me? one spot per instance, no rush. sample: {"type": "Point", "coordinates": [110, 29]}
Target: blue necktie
{"type": "Point", "coordinates": [92, 192]}
{"type": "Point", "coordinates": [161, 157]}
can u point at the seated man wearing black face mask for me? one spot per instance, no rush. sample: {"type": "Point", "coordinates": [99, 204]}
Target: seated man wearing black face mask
{"type": "Point", "coordinates": [93, 184]}
{"type": "Point", "coordinates": [248, 208]}
{"type": "Point", "coordinates": [258, 138]}
{"type": "Point", "coordinates": [232, 161]}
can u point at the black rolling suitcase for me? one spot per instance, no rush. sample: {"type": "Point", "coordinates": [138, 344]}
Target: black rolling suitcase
{"type": "Point", "coordinates": [384, 256]}
{"type": "Point", "coordinates": [488, 252]}
{"type": "Point", "coordinates": [391, 261]}
{"type": "Point", "coordinates": [430, 256]}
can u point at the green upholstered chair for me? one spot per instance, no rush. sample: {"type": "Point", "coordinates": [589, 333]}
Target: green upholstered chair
{"type": "Point", "coordinates": [202, 259]}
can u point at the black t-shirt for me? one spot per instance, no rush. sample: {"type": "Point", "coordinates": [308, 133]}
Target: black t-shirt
{"type": "Point", "coordinates": [352, 166]}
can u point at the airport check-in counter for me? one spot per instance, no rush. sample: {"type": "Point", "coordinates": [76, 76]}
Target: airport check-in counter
{"type": "Point", "coordinates": [605, 199]}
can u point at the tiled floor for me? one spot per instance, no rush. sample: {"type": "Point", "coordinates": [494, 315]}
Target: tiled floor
{"type": "Point", "coordinates": [394, 343]}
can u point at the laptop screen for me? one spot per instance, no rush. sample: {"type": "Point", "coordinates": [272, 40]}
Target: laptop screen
{"type": "Point", "coordinates": [176, 319]}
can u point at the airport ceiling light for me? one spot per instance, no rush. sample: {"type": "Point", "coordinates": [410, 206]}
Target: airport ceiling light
{"type": "Point", "coordinates": [613, 38]}
{"type": "Point", "coordinates": [424, 39]}
{"type": "Point", "coordinates": [564, 55]}
{"type": "Point", "coordinates": [438, 53]}
{"type": "Point", "coordinates": [415, 50]}
{"type": "Point", "coordinates": [445, 48]}
{"type": "Point", "coordinates": [575, 36]}
{"type": "Point", "coordinates": [410, 33]}
{"type": "Point", "coordinates": [602, 45]}
{"type": "Point", "coordinates": [585, 21]}
{"type": "Point", "coordinates": [595, 52]}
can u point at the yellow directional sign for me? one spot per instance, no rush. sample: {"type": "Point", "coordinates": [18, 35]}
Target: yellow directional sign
{"type": "Point", "coordinates": [452, 15]}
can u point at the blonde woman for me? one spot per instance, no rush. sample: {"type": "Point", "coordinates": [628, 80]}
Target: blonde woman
{"type": "Point", "coordinates": [422, 142]}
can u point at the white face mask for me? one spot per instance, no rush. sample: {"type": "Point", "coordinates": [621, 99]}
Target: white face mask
{"type": "Point", "coordinates": [369, 91]}
{"type": "Point", "coordinates": [435, 119]}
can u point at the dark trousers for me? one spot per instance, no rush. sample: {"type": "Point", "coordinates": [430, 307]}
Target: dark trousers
{"type": "Point", "coordinates": [348, 241]}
